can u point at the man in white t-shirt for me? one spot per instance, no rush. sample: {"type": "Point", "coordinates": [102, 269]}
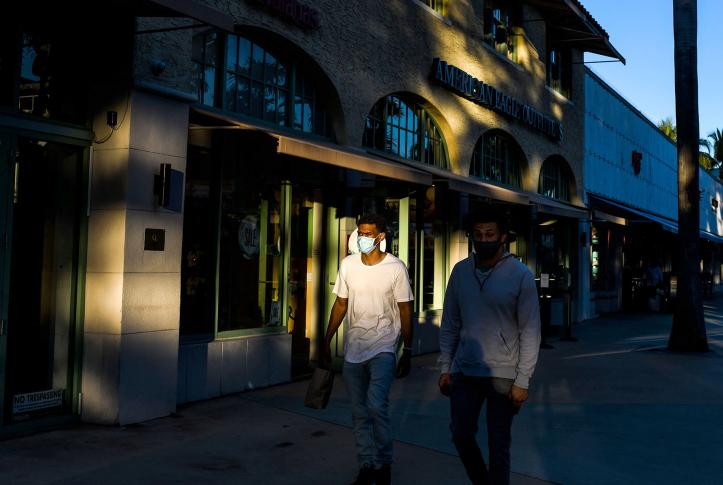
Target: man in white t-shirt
{"type": "Point", "coordinates": [373, 290]}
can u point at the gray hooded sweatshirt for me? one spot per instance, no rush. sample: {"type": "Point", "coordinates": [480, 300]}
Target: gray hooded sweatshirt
{"type": "Point", "coordinates": [491, 321]}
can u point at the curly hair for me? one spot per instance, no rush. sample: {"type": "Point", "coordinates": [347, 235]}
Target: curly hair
{"type": "Point", "coordinates": [379, 221]}
{"type": "Point", "coordinates": [488, 214]}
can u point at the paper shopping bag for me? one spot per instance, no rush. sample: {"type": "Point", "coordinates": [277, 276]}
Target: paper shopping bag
{"type": "Point", "coordinates": [317, 395]}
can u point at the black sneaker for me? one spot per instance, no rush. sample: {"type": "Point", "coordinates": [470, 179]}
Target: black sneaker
{"type": "Point", "coordinates": [366, 476]}
{"type": "Point", "coordinates": [383, 475]}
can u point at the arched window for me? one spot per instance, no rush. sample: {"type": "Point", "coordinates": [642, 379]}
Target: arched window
{"type": "Point", "coordinates": [556, 179]}
{"type": "Point", "coordinates": [439, 6]}
{"type": "Point", "coordinates": [498, 158]}
{"type": "Point", "coordinates": [239, 75]}
{"type": "Point", "coordinates": [403, 128]}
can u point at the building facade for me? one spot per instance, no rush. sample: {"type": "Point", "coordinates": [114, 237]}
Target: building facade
{"type": "Point", "coordinates": [631, 187]}
{"type": "Point", "coordinates": [201, 177]}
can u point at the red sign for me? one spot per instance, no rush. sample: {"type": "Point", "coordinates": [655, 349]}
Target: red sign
{"type": "Point", "coordinates": [301, 15]}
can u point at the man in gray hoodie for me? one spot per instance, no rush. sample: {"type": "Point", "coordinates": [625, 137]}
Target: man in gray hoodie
{"type": "Point", "coordinates": [489, 342]}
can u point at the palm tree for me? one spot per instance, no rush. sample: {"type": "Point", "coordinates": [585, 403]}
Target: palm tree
{"type": "Point", "coordinates": [704, 158]}
{"type": "Point", "coordinates": [668, 128]}
{"type": "Point", "coordinates": [717, 144]}
{"type": "Point", "coordinates": [688, 331]}
{"type": "Point", "coordinates": [706, 161]}
{"type": "Point", "coordinates": [704, 143]}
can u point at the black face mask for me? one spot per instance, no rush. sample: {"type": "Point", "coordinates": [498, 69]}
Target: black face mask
{"type": "Point", "coordinates": [486, 249]}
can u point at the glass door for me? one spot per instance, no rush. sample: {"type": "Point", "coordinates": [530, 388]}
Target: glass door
{"type": "Point", "coordinates": [337, 248]}
{"type": "Point", "coordinates": [305, 233]}
{"type": "Point", "coordinates": [46, 199]}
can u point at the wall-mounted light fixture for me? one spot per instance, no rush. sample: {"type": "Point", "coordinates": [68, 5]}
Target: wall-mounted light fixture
{"type": "Point", "coordinates": [111, 118]}
{"type": "Point", "coordinates": [168, 186]}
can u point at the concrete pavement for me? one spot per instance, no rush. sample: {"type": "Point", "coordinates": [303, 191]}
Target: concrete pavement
{"type": "Point", "coordinates": [611, 408]}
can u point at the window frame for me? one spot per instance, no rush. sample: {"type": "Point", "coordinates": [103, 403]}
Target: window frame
{"type": "Point", "coordinates": [426, 135]}
{"type": "Point", "coordinates": [299, 86]}
{"type": "Point", "coordinates": [482, 158]}
{"type": "Point", "coordinates": [561, 80]}
{"type": "Point", "coordinates": [203, 64]}
{"type": "Point", "coordinates": [215, 214]}
{"type": "Point", "coordinates": [437, 6]}
{"type": "Point", "coordinates": [500, 14]}
{"type": "Point", "coordinates": [556, 174]}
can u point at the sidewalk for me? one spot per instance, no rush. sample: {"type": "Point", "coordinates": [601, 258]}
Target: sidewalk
{"type": "Point", "coordinates": [611, 408]}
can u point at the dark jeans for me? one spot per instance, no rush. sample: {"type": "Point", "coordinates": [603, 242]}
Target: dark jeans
{"type": "Point", "coordinates": [467, 396]}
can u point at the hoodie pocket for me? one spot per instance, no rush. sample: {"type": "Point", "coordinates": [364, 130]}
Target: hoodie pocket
{"type": "Point", "coordinates": [505, 346]}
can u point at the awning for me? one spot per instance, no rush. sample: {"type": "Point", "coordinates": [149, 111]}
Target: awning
{"type": "Point", "coordinates": [180, 8]}
{"type": "Point", "coordinates": [36, 127]}
{"type": "Point", "coordinates": [345, 158]}
{"type": "Point", "coordinates": [598, 215]}
{"type": "Point", "coordinates": [570, 23]}
{"type": "Point", "coordinates": [477, 187]}
{"type": "Point", "coordinates": [665, 223]}
{"type": "Point", "coordinates": [560, 209]}
{"type": "Point", "coordinates": [711, 237]}
{"type": "Point", "coordinates": [480, 188]}
{"type": "Point", "coordinates": [322, 152]}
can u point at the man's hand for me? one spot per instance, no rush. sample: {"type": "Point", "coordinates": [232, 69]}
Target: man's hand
{"type": "Point", "coordinates": [326, 354]}
{"type": "Point", "coordinates": [445, 384]}
{"type": "Point", "coordinates": [518, 396]}
{"type": "Point", "coordinates": [405, 364]}
{"type": "Point", "coordinates": [337, 316]}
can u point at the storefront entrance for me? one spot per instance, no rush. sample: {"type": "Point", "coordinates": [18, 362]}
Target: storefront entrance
{"type": "Point", "coordinates": [556, 263]}
{"type": "Point", "coordinates": [42, 200]}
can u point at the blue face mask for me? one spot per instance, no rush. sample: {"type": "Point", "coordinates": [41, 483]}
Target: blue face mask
{"type": "Point", "coordinates": [366, 244]}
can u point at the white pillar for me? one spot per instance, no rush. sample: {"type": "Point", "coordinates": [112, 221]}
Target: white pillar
{"type": "Point", "coordinates": [132, 295]}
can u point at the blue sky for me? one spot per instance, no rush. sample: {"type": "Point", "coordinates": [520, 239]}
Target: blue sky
{"type": "Point", "coordinates": [642, 30]}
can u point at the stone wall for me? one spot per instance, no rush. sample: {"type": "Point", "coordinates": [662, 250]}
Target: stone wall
{"type": "Point", "coordinates": [371, 48]}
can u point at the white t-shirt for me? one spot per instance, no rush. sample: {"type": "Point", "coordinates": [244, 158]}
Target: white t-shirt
{"type": "Point", "coordinates": [372, 311]}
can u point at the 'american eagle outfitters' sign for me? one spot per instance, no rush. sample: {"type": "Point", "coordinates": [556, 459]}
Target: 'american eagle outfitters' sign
{"type": "Point", "coordinates": [469, 87]}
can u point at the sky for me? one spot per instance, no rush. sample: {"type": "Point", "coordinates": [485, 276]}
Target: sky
{"type": "Point", "coordinates": [642, 31]}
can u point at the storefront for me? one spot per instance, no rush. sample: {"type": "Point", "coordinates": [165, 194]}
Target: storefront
{"type": "Point", "coordinates": [634, 251]}
{"type": "Point", "coordinates": [45, 147]}
{"type": "Point", "coordinates": [43, 256]}
{"type": "Point", "coordinates": [219, 157]}
{"type": "Point", "coordinates": [261, 252]}
{"type": "Point", "coordinates": [279, 168]}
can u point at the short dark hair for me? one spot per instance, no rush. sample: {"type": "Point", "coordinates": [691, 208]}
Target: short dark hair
{"type": "Point", "coordinates": [488, 214]}
{"type": "Point", "coordinates": [379, 221]}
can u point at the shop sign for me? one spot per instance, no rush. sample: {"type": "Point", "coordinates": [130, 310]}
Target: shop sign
{"type": "Point", "coordinates": [23, 403]}
{"type": "Point", "coordinates": [248, 236]}
{"type": "Point", "coordinates": [479, 92]}
{"type": "Point", "coordinates": [292, 10]}
{"type": "Point", "coordinates": [545, 280]}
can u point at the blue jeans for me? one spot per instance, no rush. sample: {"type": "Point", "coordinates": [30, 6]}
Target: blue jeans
{"type": "Point", "coordinates": [468, 394]}
{"type": "Point", "coordinates": [368, 384]}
